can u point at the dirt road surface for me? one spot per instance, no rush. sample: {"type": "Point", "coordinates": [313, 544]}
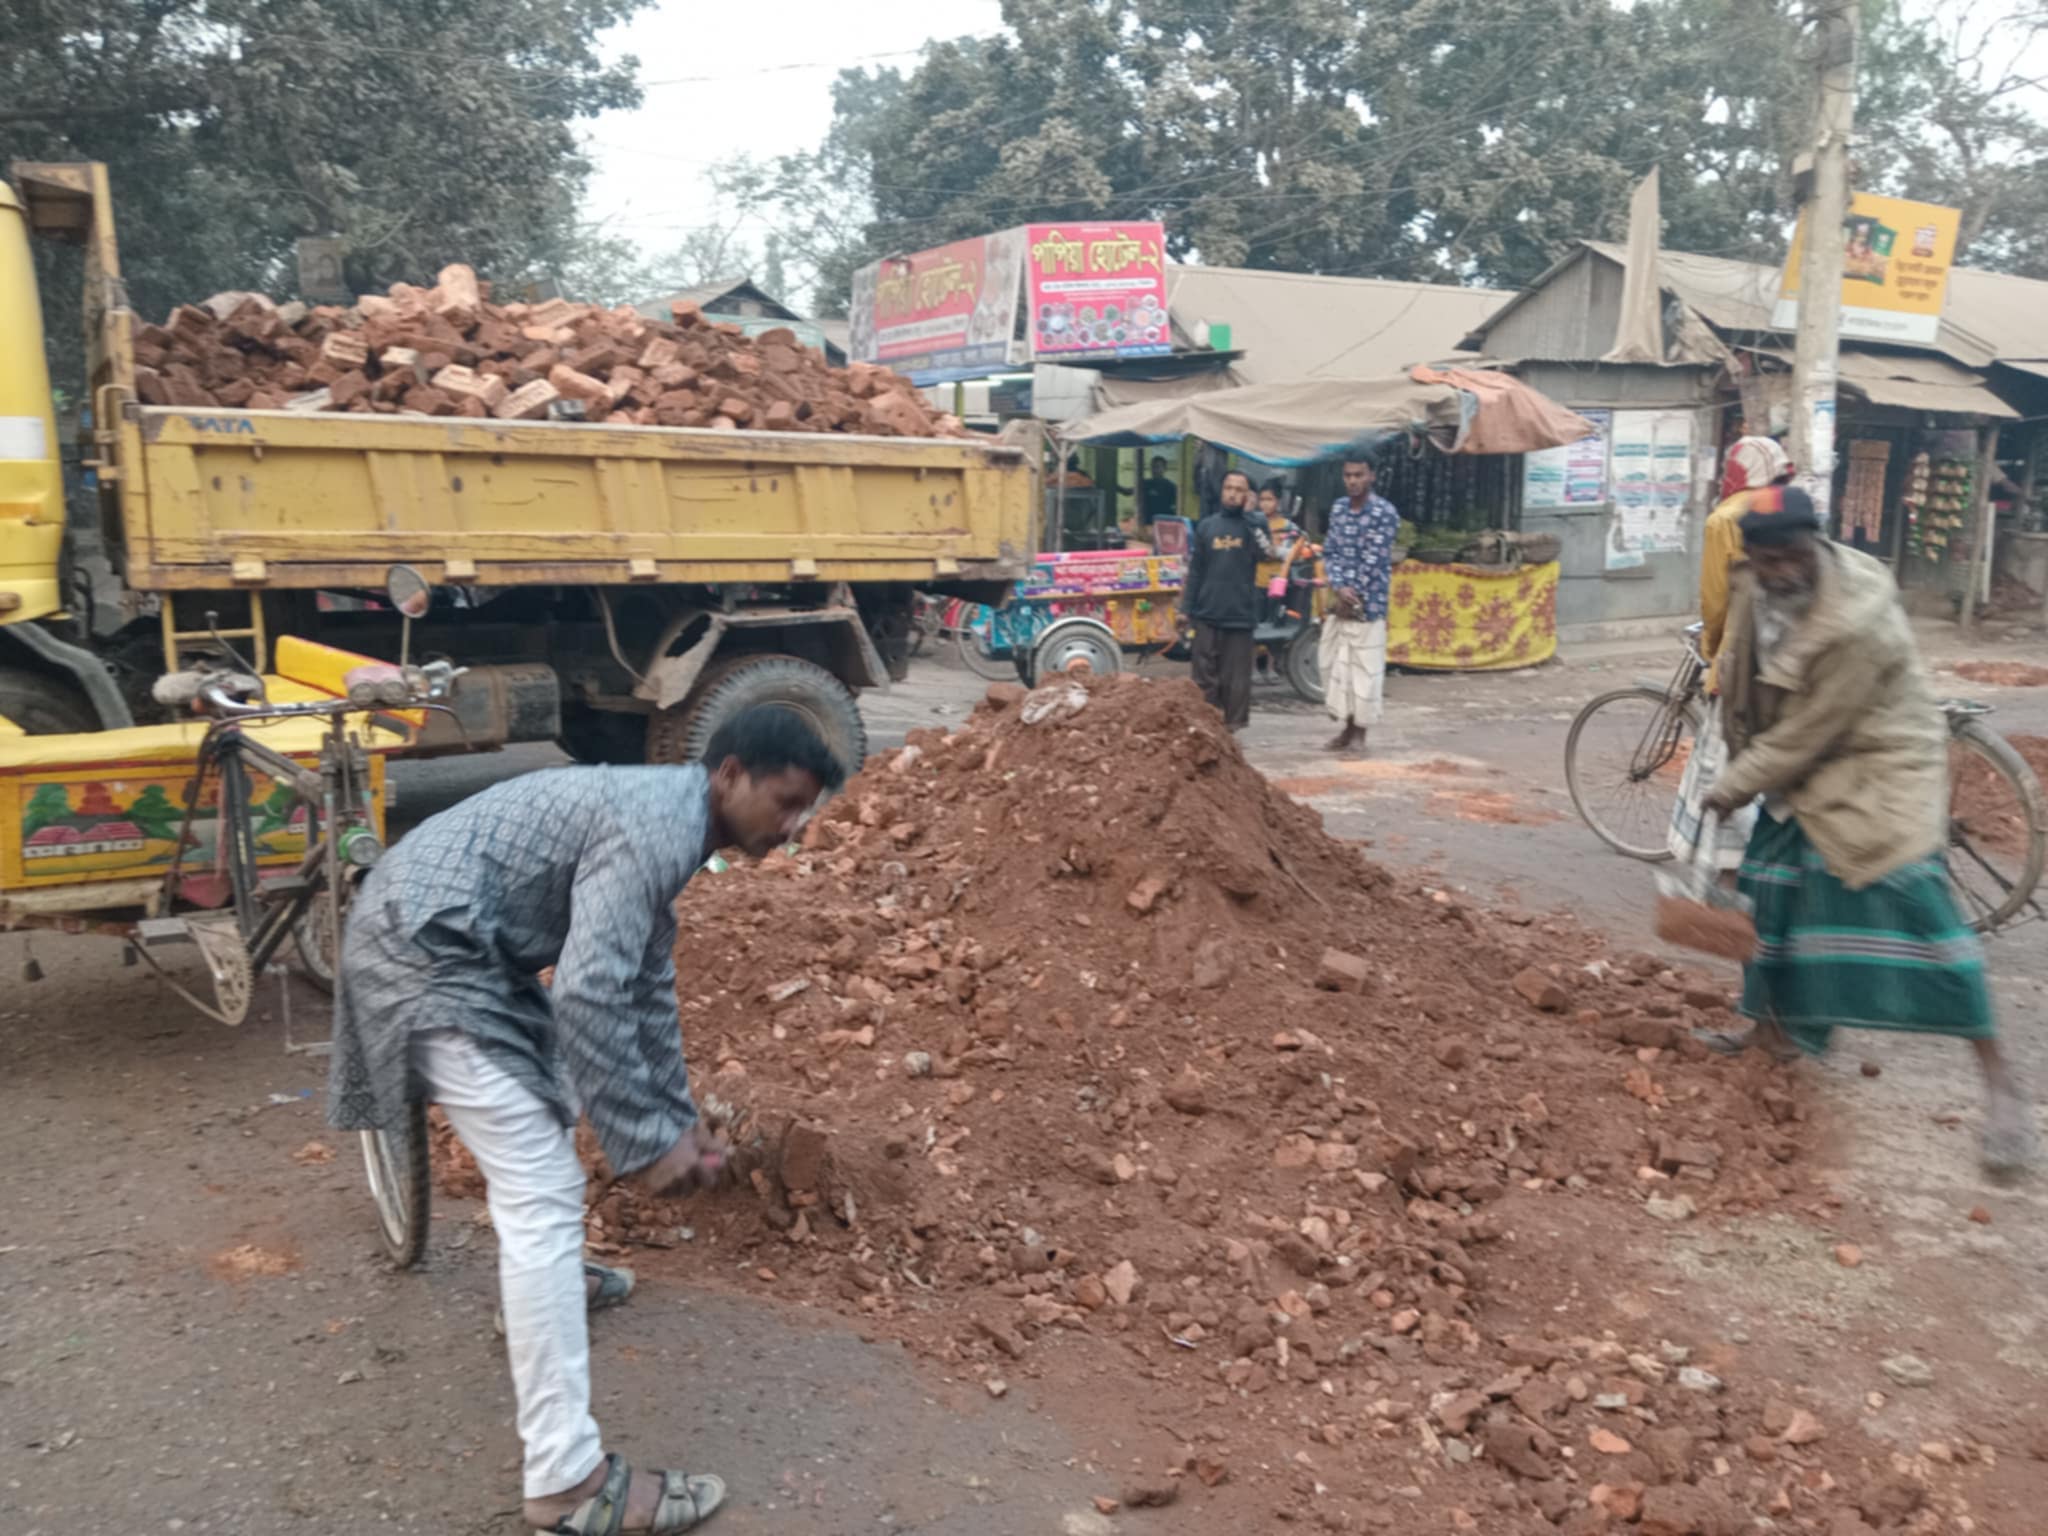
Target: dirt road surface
{"type": "Point", "coordinates": [196, 1334]}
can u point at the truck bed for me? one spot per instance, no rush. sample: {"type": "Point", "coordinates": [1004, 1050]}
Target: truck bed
{"type": "Point", "coordinates": [255, 499]}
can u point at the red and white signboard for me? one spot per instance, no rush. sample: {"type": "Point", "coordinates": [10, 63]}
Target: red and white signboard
{"type": "Point", "coordinates": [1097, 290]}
{"type": "Point", "coordinates": [950, 309]}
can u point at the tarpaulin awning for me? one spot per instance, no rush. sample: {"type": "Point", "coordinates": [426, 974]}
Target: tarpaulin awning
{"type": "Point", "coordinates": [1113, 391]}
{"type": "Point", "coordinates": [1309, 420]}
{"type": "Point", "coordinates": [1512, 417]}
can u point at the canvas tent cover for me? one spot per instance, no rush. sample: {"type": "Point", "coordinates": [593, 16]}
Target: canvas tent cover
{"type": "Point", "coordinates": [1303, 422]}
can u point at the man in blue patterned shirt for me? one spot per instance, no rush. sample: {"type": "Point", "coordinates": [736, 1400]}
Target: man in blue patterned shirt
{"type": "Point", "coordinates": [578, 869]}
{"type": "Point", "coordinates": [1358, 563]}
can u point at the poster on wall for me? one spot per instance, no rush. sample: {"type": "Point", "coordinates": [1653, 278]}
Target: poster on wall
{"type": "Point", "coordinates": [944, 313]}
{"type": "Point", "coordinates": [1097, 290]}
{"type": "Point", "coordinates": [1652, 469]}
{"type": "Point", "coordinates": [1574, 475]}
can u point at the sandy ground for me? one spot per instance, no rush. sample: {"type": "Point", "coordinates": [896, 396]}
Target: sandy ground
{"type": "Point", "coordinates": [150, 1381]}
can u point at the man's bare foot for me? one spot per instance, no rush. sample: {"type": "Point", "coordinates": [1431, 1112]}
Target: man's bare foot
{"type": "Point", "coordinates": [1350, 739]}
{"type": "Point", "coordinates": [2011, 1145]}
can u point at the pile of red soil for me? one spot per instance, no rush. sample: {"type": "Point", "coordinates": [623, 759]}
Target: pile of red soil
{"type": "Point", "coordinates": [1060, 1080]}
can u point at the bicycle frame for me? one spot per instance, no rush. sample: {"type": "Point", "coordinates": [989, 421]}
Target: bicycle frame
{"type": "Point", "coordinates": [336, 798]}
{"type": "Point", "coordinates": [1661, 737]}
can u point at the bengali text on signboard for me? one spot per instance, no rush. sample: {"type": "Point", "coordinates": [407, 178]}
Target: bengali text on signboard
{"type": "Point", "coordinates": [1097, 290]}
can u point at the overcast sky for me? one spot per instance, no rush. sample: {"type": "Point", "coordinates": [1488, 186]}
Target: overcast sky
{"type": "Point", "coordinates": [721, 80]}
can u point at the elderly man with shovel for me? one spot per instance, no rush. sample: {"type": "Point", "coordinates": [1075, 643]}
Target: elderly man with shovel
{"type": "Point", "coordinates": [1830, 719]}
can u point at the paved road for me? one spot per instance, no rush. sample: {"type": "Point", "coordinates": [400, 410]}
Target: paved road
{"type": "Point", "coordinates": [147, 1383]}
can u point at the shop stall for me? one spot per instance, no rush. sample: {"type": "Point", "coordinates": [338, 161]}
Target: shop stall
{"type": "Point", "coordinates": [1468, 591]}
{"type": "Point", "coordinates": [1919, 480]}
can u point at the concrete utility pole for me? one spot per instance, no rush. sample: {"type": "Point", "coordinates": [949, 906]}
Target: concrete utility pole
{"type": "Point", "coordinates": [1820, 274]}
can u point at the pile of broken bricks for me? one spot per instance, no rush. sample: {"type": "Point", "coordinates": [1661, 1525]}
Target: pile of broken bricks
{"type": "Point", "coordinates": [449, 351]}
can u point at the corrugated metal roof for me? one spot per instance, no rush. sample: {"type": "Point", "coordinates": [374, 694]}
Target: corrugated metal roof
{"type": "Point", "coordinates": [1296, 325]}
{"type": "Point", "coordinates": [2009, 313]}
{"type": "Point", "coordinates": [1988, 315]}
{"type": "Point", "coordinates": [1913, 381]}
{"type": "Point", "coordinates": [1920, 382]}
{"type": "Point", "coordinates": [1729, 295]}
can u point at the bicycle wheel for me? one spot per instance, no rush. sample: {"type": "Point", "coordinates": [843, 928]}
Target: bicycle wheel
{"type": "Point", "coordinates": [317, 940]}
{"type": "Point", "coordinates": [1623, 761]}
{"type": "Point", "coordinates": [1997, 827]}
{"type": "Point", "coordinates": [401, 1173]}
{"type": "Point", "coordinates": [975, 653]}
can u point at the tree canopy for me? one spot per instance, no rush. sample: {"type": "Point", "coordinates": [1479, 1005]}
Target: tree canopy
{"type": "Point", "coordinates": [421, 133]}
{"type": "Point", "coordinates": [1449, 140]}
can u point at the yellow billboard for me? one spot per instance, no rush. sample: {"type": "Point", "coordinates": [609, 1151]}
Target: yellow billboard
{"type": "Point", "coordinates": [1894, 271]}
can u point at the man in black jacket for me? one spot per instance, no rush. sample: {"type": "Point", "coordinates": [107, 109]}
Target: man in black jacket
{"type": "Point", "coordinates": [1222, 597]}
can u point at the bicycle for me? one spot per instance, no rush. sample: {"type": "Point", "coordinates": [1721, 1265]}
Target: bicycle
{"type": "Point", "coordinates": [990, 641]}
{"type": "Point", "coordinates": [1626, 751]}
{"type": "Point", "coordinates": [1997, 821]}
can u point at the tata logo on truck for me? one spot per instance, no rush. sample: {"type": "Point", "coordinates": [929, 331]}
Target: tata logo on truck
{"type": "Point", "coordinates": [223, 424]}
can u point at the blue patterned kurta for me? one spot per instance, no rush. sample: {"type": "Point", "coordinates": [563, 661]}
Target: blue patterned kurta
{"type": "Point", "coordinates": [1358, 551]}
{"type": "Point", "coordinates": [575, 868]}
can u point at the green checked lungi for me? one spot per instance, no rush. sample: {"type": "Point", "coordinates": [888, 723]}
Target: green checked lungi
{"type": "Point", "coordinates": [1895, 955]}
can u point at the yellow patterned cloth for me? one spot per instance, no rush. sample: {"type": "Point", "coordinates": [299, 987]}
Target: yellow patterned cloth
{"type": "Point", "coordinates": [1470, 617]}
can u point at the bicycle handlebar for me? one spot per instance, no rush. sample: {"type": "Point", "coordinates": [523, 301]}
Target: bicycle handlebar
{"type": "Point", "coordinates": [215, 695]}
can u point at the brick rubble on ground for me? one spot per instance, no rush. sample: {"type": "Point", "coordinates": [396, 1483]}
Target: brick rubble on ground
{"type": "Point", "coordinates": [1085, 1054]}
{"type": "Point", "coordinates": [449, 351]}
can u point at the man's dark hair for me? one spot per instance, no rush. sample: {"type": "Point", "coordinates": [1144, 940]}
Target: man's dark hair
{"type": "Point", "coordinates": [767, 739]}
{"type": "Point", "coordinates": [1363, 463]}
{"type": "Point", "coordinates": [1235, 474]}
{"type": "Point", "coordinates": [1159, 461]}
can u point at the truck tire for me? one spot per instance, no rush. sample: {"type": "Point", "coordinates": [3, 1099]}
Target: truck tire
{"type": "Point", "coordinates": [43, 706]}
{"type": "Point", "coordinates": [827, 705]}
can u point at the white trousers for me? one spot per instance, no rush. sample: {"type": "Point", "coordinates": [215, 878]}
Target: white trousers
{"type": "Point", "coordinates": [535, 1186]}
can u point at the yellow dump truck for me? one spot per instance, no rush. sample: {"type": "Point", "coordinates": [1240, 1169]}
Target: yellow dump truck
{"type": "Point", "coordinates": [619, 589]}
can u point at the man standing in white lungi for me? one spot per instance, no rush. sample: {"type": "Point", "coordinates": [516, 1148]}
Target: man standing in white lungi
{"type": "Point", "coordinates": [1358, 562]}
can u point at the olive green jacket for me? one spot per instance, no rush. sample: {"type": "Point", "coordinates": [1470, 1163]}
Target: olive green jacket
{"type": "Point", "coordinates": [1842, 724]}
